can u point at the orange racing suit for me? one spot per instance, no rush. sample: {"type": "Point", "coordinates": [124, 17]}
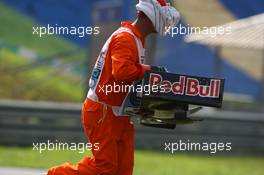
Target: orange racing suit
{"type": "Point", "coordinates": [120, 62]}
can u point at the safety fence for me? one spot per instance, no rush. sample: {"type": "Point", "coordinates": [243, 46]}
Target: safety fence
{"type": "Point", "coordinates": [23, 123]}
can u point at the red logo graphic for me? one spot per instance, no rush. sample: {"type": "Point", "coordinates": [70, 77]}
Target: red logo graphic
{"type": "Point", "coordinates": [186, 86]}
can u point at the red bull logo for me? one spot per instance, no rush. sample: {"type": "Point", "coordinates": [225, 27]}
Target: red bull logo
{"type": "Point", "coordinates": [186, 86]}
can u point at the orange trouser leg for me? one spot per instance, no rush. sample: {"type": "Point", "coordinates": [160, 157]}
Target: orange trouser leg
{"type": "Point", "coordinates": [115, 137]}
{"type": "Point", "coordinates": [126, 151]}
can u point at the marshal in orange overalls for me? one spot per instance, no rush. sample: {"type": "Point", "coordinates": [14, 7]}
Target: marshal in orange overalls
{"type": "Point", "coordinates": [119, 63]}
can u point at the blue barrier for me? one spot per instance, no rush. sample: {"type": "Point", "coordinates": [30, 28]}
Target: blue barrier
{"type": "Point", "coordinates": [244, 8]}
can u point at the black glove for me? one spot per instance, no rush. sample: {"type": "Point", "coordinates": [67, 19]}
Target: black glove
{"type": "Point", "coordinates": [159, 68]}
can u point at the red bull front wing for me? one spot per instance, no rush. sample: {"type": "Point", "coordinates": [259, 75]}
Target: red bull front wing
{"type": "Point", "coordinates": [162, 99]}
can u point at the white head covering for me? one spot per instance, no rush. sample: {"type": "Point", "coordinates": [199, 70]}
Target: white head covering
{"type": "Point", "coordinates": [162, 17]}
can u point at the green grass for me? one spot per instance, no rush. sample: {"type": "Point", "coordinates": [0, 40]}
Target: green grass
{"type": "Point", "coordinates": [17, 29]}
{"type": "Point", "coordinates": [41, 83]}
{"type": "Point", "coordinates": [146, 162]}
